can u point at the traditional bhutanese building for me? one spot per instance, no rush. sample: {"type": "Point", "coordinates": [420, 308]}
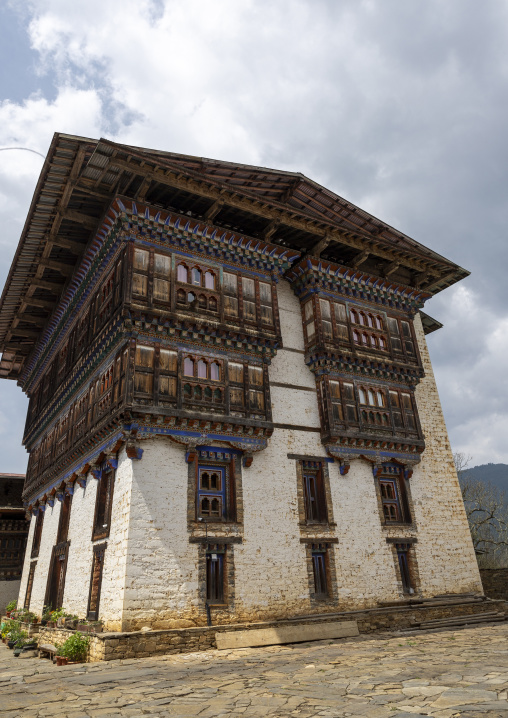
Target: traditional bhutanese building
{"type": "Point", "coordinates": [13, 535]}
{"type": "Point", "coordinates": [232, 406]}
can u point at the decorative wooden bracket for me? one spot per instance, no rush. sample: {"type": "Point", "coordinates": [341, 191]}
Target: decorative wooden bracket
{"type": "Point", "coordinates": [69, 489]}
{"type": "Point", "coordinates": [343, 459]}
{"type": "Point", "coordinates": [344, 466]}
{"type": "Point", "coordinates": [96, 472]}
{"type": "Point", "coordinates": [376, 470]}
{"type": "Point", "coordinates": [81, 481]}
{"type": "Point", "coordinates": [408, 468]}
{"type": "Point", "coordinates": [51, 501]}
{"type": "Point", "coordinates": [59, 496]}
{"type": "Point", "coordinates": [134, 452]}
{"type": "Point", "coordinates": [112, 462]}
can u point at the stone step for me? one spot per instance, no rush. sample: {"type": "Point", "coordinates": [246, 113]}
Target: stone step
{"type": "Point", "coordinates": [491, 616]}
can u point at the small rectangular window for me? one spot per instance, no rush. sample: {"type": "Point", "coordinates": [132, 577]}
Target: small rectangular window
{"type": "Point", "coordinates": [162, 264]}
{"type": "Point", "coordinates": [255, 376]}
{"type": "Point", "coordinates": [143, 383]}
{"type": "Point", "coordinates": [99, 552]}
{"type": "Point", "coordinates": [211, 493]}
{"type": "Point", "coordinates": [320, 574]}
{"type": "Point", "coordinates": [248, 289]}
{"type": "Point", "coordinates": [141, 259]}
{"type": "Point", "coordinates": [144, 357]}
{"type": "Point", "coordinates": [336, 401]}
{"type": "Point", "coordinates": [315, 499]}
{"type": "Point", "coordinates": [236, 373]}
{"type": "Point", "coordinates": [215, 575]}
{"type": "Point", "coordinates": [168, 360]}
{"type": "Point", "coordinates": [139, 284]}
{"type": "Point", "coordinates": [236, 397]}
{"type": "Point", "coordinates": [161, 290]}
{"type": "Point", "coordinates": [256, 400]}
{"type": "Point", "coordinates": [103, 503]}
{"type": "Point", "coordinates": [167, 386]}
{"type": "Point", "coordinates": [404, 563]}
{"type": "Point", "coordinates": [37, 534]}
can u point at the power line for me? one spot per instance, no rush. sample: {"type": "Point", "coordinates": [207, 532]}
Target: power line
{"type": "Point", "coordinates": [26, 149]}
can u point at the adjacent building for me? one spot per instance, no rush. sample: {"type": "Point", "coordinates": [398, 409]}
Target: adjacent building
{"type": "Point", "coordinates": [232, 406]}
{"type": "Point", "coordinates": [13, 536]}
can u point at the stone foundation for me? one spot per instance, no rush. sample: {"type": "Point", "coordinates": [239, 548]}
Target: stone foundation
{"type": "Point", "coordinates": [141, 644]}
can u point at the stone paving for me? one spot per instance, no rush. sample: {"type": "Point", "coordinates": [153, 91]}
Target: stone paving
{"type": "Point", "coordinates": [446, 674]}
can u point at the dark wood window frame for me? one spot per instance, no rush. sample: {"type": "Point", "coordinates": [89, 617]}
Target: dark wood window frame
{"type": "Point", "coordinates": [56, 576]}
{"type": "Point", "coordinates": [29, 585]}
{"type": "Point", "coordinates": [393, 496]}
{"type": "Point", "coordinates": [36, 542]}
{"type": "Point", "coordinates": [94, 593]}
{"type": "Point", "coordinates": [103, 503]}
{"type": "Point", "coordinates": [226, 495]}
{"type": "Point", "coordinates": [316, 509]}
{"type": "Point", "coordinates": [215, 574]}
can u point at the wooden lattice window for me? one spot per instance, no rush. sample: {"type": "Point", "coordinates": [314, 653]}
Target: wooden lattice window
{"type": "Point", "coordinates": [309, 323]}
{"type": "Point", "coordinates": [161, 273]}
{"type": "Point", "coordinates": [167, 374]}
{"type": "Point", "coordinates": [230, 286]}
{"type": "Point", "coordinates": [29, 585]}
{"type": "Point", "coordinates": [394, 496]}
{"type": "Point", "coordinates": [99, 552]}
{"type": "Point", "coordinates": [212, 492]}
{"type": "Point", "coordinates": [144, 370]}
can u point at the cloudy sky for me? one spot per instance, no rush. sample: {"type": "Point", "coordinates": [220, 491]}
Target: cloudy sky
{"type": "Point", "coordinates": [401, 107]}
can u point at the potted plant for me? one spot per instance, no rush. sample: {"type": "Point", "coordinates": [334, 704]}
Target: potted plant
{"type": "Point", "coordinates": [46, 615]}
{"type": "Point", "coordinates": [11, 606]}
{"type": "Point", "coordinates": [16, 636]}
{"type": "Point", "coordinates": [21, 642]}
{"type": "Point", "coordinates": [74, 649]}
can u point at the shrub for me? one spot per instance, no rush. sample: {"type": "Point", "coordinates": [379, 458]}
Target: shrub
{"type": "Point", "coordinates": [75, 647]}
{"type": "Point", "coordinates": [11, 606]}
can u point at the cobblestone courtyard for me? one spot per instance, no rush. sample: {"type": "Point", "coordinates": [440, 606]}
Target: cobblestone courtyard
{"type": "Point", "coordinates": [452, 673]}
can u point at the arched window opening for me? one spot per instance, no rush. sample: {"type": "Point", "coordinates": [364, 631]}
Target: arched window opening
{"type": "Point", "coordinates": [180, 296]}
{"type": "Point", "coordinates": [196, 276]}
{"type": "Point", "coordinates": [212, 304]}
{"type": "Point", "coordinates": [198, 393]}
{"type": "Point", "coordinates": [380, 398]}
{"type": "Point", "coordinates": [365, 418]}
{"type": "Point", "coordinates": [215, 482]}
{"type": "Point", "coordinates": [188, 366]}
{"type": "Point", "coordinates": [372, 400]}
{"type": "Point", "coordinates": [191, 297]}
{"type": "Point", "coordinates": [208, 393]}
{"type": "Point", "coordinates": [187, 392]}
{"type": "Point", "coordinates": [363, 319]}
{"type": "Point", "coordinates": [382, 343]}
{"type": "Point", "coordinates": [363, 398]}
{"type": "Point", "coordinates": [370, 320]}
{"type": "Point", "coordinates": [379, 323]}
{"type": "Point", "coordinates": [202, 304]}
{"type": "Point", "coordinates": [205, 480]}
{"type": "Point", "coordinates": [371, 417]}
{"type": "Point", "coordinates": [201, 369]}
{"type": "Point", "coordinates": [205, 506]}
{"type": "Point", "coordinates": [209, 280]}
{"type": "Point", "coordinates": [215, 508]}
{"type": "Point", "coordinates": [217, 396]}
{"type": "Point", "coordinates": [214, 371]}
{"type": "Point", "coordinates": [373, 342]}
{"type": "Point", "coordinates": [365, 339]}
{"type": "Point", "coordinates": [182, 273]}
{"type": "Point", "coordinates": [356, 337]}
{"type": "Point", "coordinates": [354, 316]}
{"type": "Point", "coordinates": [378, 419]}
{"type": "Point", "coordinates": [385, 420]}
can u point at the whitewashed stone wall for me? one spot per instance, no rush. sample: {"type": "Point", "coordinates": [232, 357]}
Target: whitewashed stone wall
{"type": "Point", "coordinates": [161, 584]}
{"type": "Point", "coordinates": [445, 552]}
{"type": "Point", "coordinates": [48, 538]}
{"type": "Point", "coordinates": [26, 563]}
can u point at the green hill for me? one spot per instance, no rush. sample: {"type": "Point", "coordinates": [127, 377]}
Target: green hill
{"type": "Point", "coordinates": [495, 474]}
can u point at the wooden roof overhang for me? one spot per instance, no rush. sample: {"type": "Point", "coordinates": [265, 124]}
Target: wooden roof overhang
{"type": "Point", "coordinates": [81, 176]}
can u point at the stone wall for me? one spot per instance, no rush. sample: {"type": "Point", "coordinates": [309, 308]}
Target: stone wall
{"type": "Point", "coordinates": [495, 582]}
{"type": "Point", "coordinates": [446, 558]}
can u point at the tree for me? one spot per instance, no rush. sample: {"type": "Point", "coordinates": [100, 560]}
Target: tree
{"type": "Point", "coordinates": [487, 515]}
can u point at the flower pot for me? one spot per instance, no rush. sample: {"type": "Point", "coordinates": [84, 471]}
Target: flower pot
{"type": "Point", "coordinates": [51, 624]}
{"type": "Point", "coordinates": [11, 644]}
{"type": "Point", "coordinates": [17, 650]}
{"type": "Point", "coordinates": [43, 623]}
{"type": "Point", "coordinates": [8, 613]}
{"type": "Point", "coordinates": [61, 661]}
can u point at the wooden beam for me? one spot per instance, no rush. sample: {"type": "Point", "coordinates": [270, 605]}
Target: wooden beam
{"type": "Point", "coordinates": [213, 211]}
{"type": "Point", "coordinates": [270, 229]}
{"type": "Point", "coordinates": [25, 333]}
{"type": "Point", "coordinates": [44, 284]}
{"type": "Point", "coordinates": [75, 247]}
{"type": "Point", "coordinates": [38, 321]}
{"type": "Point", "coordinates": [390, 268]}
{"type": "Point", "coordinates": [353, 237]}
{"type": "Point", "coordinates": [66, 269]}
{"type": "Point", "coordinates": [41, 303]}
{"type": "Point", "coordinates": [317, 249]}
{"type": "Point", "coordinates": [81, 218]}
{"type": "Point", "coordinates": [360, 258]}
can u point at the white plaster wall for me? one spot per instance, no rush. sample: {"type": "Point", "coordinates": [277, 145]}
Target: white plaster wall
{"type": "Point", "coordinates": [77, 579]}
{"type": "Point", "coordinates": [26, 563]}
{"type": "Point", "coordinates": [48, 538]}
{"type": "Point", "coordinates": [446, 558]}
{"type": "Point", "coordinates": [162, 573]}
{"type": "Point", "coordinates": [113, 589]}
{"type": "Point", "coordinates": [365, 566]}
{"type": "Point", "coordinates": [9, 591]}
